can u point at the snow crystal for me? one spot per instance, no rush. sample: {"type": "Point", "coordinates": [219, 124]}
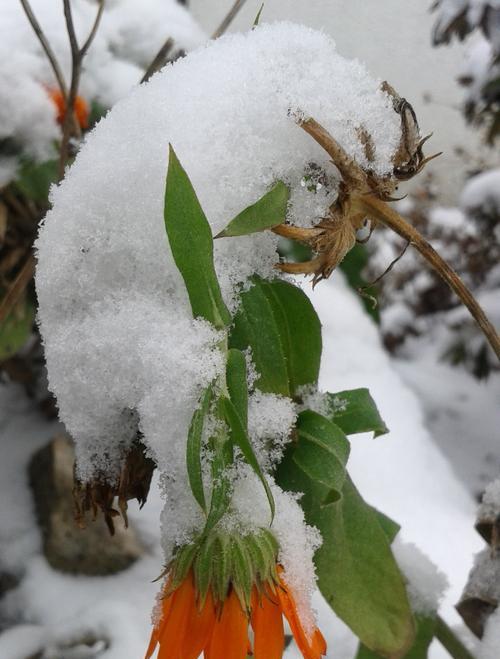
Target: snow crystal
{"type": "Point", "coordinates": [426, 584]}
{"type": "Point", "coordinates": [270, 420]}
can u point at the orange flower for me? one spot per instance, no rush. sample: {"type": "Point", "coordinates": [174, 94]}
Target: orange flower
{"type": "Point", "coordinates": [81, 107]}
{"type": "Point", "coordinates": [189, 626]}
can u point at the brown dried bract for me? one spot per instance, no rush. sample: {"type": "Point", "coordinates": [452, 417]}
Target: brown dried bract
{"type": "Point", "coordinates": [335, 235]}
{"type": "Point", "coordinates": [99, 494]}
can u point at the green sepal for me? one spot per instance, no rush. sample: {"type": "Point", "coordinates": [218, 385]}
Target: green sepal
{"type": "Point", "coordinates": [193, 449]}
{"type": "Point", "coordinates": [222, 564]}
{"type": "Point", "coordinates": [203, 568]}
{"type": "Point", "coordinates": [191, 243]}
{"type": "Point", "coordinates": [240, 438]}
{"type": "Point", "coordinates": [182, 564]}
{"type": "Point", "coordinates": [242, 569]}
{"type": "Point", "coordinates": [355, 411]}
{"type": "Point", "coordinates": [221, 485]}
{"type": "Point", "coordinates": [266, 213]}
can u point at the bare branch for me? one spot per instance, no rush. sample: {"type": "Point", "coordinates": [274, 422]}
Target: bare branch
{"type": "Point", "coordinates": [90, 38]}
{"type": "Point", "coordinates": [46, 47]}
{"type": "Point", "coordinates": [228, 19]}
{"type": "Point", "coordinates": [17, 288]}
{"type": "Point", "coordinates": [159, 60]}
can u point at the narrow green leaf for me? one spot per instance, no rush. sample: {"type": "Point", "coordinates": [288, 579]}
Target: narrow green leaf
{"type": "Point", "coordinates": [278, 322]}
{"type": "Point", "coordinates": [34, 179]}
{"type": "Point", "coordinates": [236, 380]}
{"type": "Point", "coordinates": [191, 243]}
{"type": "Point", "coordinates": [357, 573]}
{"type": "Point", "coordinates": [257, 18]}
{"type": "Point", "coordinates": [267, 212]}
{"type": "Point", "coordinates": [240, 438]}
{"type": "Point", "coordinates": [389, 526]}
{"type": "Point", "coordinates": [193, 449]}
{"type": "Point", "coordinates": [321, 452]}
{"type": "Point", "coordinates": [426, 627]}
{"type": "Point", "coordinates": [355, 411]}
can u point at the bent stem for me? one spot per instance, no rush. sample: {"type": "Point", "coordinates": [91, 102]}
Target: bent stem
{"type": "Point", "coordinates": [452, 644]}
{"type": "Point", "coordinates": [386, 215]}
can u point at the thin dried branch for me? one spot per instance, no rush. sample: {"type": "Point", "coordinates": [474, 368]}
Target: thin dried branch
{"type": "Point", "coordinates": [386, 215]}
{"type": "Point", "coordinates": [159, 60]}
{"type": "Point", "coordinates": [228, 19]}
{"type": "Point", "coordinates": [17, 288]}
{"type": "Point", "coordinates": [46, 47]}
{"type": "Point", "coordinates": [70, 125]}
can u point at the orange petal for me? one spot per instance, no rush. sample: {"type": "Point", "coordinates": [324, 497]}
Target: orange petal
{"type": "Point", "coordinates": [199, 629]}
{"type": "Point", "coordinates": [267, 623]}
{"type": "Point", "coordinates": [157, 629]}
{"type": "Point", "coordinates": [172, 633]}
{"type": "Point", "coordinates": [230, 634]}
{"type": "Point", "coordinates": [310, 647]}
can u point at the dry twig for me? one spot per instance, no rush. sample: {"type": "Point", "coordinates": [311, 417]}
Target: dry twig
{"type": "Point", "coordinates": [17, 288]}
{"type": "Point", "coordinates": [228, 19]}
{"type": "Point", "coordinates": [159, 60]}
{"type": "Point", "coordinates": [77, 55]}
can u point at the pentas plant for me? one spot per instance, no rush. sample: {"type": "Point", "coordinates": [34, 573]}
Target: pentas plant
{"type": "Point", "coordinates": [200, 356]}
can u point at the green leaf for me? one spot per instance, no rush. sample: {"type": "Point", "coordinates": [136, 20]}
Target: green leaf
{"type": "Point", "coordinates": [33, 179]}
{"type": "Point", "coordinates": [193, 449]}
{"type": "Point", "coordinates": [16, 329]}
{"type": "Point", "coordinates": [352, 265]}
{"type": "Point", "coordinates": [321, 452]}
{"type": "Point", "coordinates": [191, 243]}
{"type": "Point", "coordinates": [257, 18]}
{"type": "Point", "coordinates": [236, 380]}
{"type": "Point", "coordinates": [357, 573]}
{"type": "Point", "coordinates": [426, 627]}
{"type": "Point", "coordinates": [240, 438]}
{"type": "Point", "coordinates": [355, 411]}
{"type": "Point", "coordinates": [278, 322]}
{"type": "Point", "coordinates": [267, 212]}
{"type": "Point", "coordinates": [389, 526]}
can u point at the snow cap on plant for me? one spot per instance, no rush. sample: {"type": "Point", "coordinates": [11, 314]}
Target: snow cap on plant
{"type": "Point", "coordinates": [219, 586]}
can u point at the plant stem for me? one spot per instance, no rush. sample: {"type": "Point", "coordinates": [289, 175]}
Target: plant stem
{"type": "Point", "coordinates": [228, 19]}
{"type": "Point", "coordinates": [452, 644]}
{"type": "Point", "coordinates": [159, 60]}
{"type": "Point", "coordinates": [382, 212]}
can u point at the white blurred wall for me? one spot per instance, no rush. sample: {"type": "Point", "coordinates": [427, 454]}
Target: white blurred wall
{"type": "Point", "coordinates": [393, 38]}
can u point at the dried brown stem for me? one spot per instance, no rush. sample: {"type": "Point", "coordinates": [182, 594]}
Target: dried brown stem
{"type": "Point", "coordinates": [70, 124]}
{"type": "Point", "coordinates": [159, 60]}
{"type": "Point", "coordinates": [46, 47]}
{"type": "Point", "coordinates": [17, 288]}
{"type": "Point", "coordinates": [386, 215]}
{"type": "Point", "coordinates": [228, 19]}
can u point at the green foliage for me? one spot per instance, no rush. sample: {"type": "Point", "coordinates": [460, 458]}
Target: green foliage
{"type": "Point", "coordinates": [16, 329]}
{"type": "Point", "coordinates": [278, 322]}
{"type": "Point", "coordinates": [193, 449]}
{"type": "Point", "coordinates": [236, 382]}
{"type": "Point", "coordinates": [426, 627]}
{"type": "Point", "coordinates": [191, 243]}
{"type": "Point", "coordinates": [357, 573]}
{"type": "Point", "coordinates": [34, 180]}
{"type": "Point", "coordinates": [352, 265]}
{"type": "Point", "coordinates": [267, 212]}
{"type": "Point", "coordinates": [321, 452]}
{"type": "Point", "coordinates": [355, 411]}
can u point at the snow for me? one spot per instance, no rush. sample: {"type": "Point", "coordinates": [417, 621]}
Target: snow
{"type": "Point", "coordinates": [491, 639]}
{"type": "Point", "coordinates": [481, 194]}
{"type": "Point", "coordinates": [426, 584]}
{"type": "Point", "coordinates": [129, 36]}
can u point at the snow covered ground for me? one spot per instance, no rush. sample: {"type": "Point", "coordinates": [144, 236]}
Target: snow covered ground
{"type": "Point", "coordinates": [403, 473]}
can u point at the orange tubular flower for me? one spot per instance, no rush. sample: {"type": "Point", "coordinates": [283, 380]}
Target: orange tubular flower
{"type": "Point", "coordinates": [199, 617]}
{"type": "Point", "coordinates": [81, 107]}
